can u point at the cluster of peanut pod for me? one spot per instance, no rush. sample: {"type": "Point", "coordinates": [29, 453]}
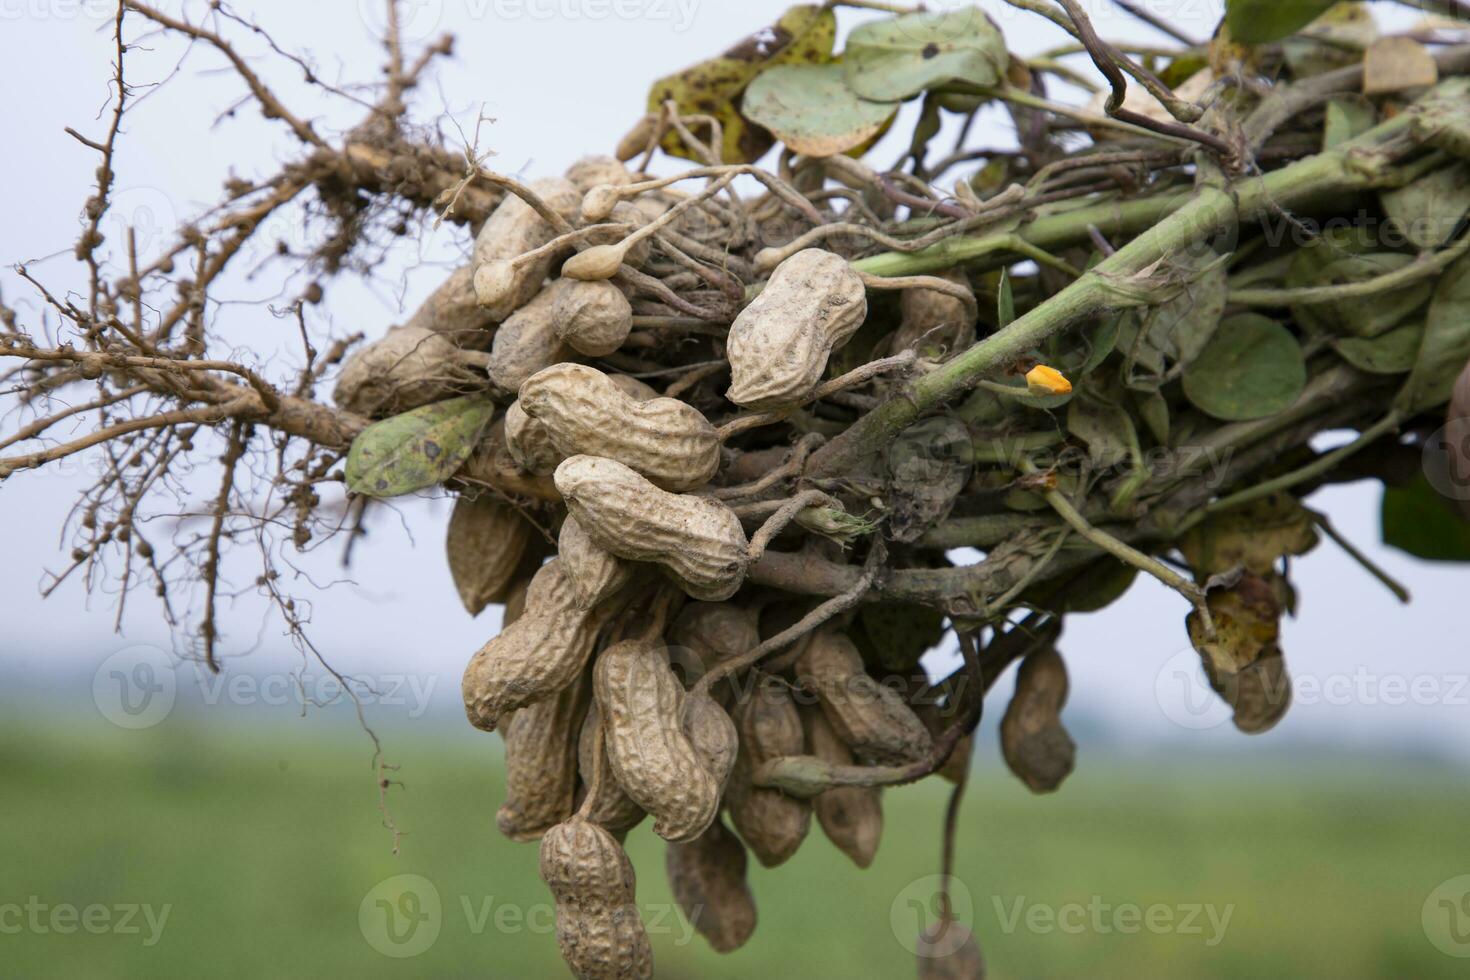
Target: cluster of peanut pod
{"type": "Point", "coordinates": [622, 682]}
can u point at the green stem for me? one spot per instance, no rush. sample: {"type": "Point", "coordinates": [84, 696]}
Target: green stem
{"type": "Point", "coordinates": [1427, 265]}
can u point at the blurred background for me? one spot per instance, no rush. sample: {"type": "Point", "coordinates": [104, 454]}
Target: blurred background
{"type": "Point", "coordinates": [161, 821]}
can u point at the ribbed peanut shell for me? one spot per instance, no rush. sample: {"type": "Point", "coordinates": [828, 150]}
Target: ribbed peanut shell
{"type": "Point", "coordinates": [515, 228]}
{"type": "Point", "coordinates": [454, 311]}
{"type": "Point", "coordinates": [717, 631]}
{"type": "Point", "coordinates": [596, 573]}
{"type": "Point", "coordinates": [536, 656]}
{"type": "Point", "coordinates": [613, 809]}
{"type": "Point", "coordinates": [529, 443]}
{"type": "Point", "coordinates": [1033, 740]}
{"type": "Point", "coordinates": [666, 440]}
{"type": "Point", "coordinates": [405, 369]}
{"type": "Point", "coordinates": [594, 318]}
{"type": "Point", "coordinates": [872, 719]}
{"type": "Point", "coordinates": [712, 733]}
{"type": "Point", "coordinates": [597, 923]}
{"type": "Point", "coordinates": [485, 543]}
{"type": "Point", "coordinates": [527, 342]}
{"type": "Point", "coordinates": [779, 344]}
{"type": "Point", "coordinates": [541, 762]}
{"type": "Point", "coordinates": [850, 816]}
{"type": "Point", "coordinates": [932, 322]}
{"type": "Point", "coordinates": [639, 699]}
{"type": "Point", "coordinates": [772, 824]}
{"type": "Point", "coordinates": [697, 539]}
{"type": "Point", "coordinates": [707, 878]}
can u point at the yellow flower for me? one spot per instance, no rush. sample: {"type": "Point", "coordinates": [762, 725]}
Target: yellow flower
{"type": "Point", "coordinates": [1042, 380]}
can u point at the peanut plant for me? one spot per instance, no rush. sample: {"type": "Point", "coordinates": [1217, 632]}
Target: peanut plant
{"type": "Point", "coordinates": [716, 437]}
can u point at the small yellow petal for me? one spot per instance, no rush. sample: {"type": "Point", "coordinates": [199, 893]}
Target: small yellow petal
{"type": "Point", "coordinates": [1042, 380]}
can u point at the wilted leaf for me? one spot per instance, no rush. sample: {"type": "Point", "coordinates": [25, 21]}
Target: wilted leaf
{"type": "Point", "coordinates": [1336, 39]}
{"type": "Point", "coordinates": [1442, 119]}
{"type": "Point", "coordinates": [1354, 316]}
{"type": "Point", "coordinates": [1254, 535]}
{"type": "Point", "coordinates": [1252, 368]}
{"type": "Point", "coordinates": [416, 449]}
{"type": "Point", "coordinates": [1005, 303]}
{"type": "Point", "coordinates": [804, 35]}
{"type": "Point", "coordinates": [1394, 64]}
{"type": "Point", "coordinates": [928, 465]}
{"type": "Point", "coordinates": [896, 58]}
{"type": "Point", "coordinates": [1390, 353]}
{"type": "Point", "coordinates": [1262, 21]}
{"type": "Point", "coordinates": [1418, 519]}
{"type": "Point", "coordinates": [1446, 344]}
{"type": "Point", "coordinates": [811, 110]}
{"type": "Point", "coordinates": [1427, 211]}
{"type": "Point", "coordinates": [1247, 622]}
{"type": "Point", "coordinates": [1153, 408]}
{"type": "Point", "coordinates": [1174, 332]}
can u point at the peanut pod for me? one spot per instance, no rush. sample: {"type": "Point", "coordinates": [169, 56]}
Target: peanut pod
{"type": "Point", "coordinates": [407, 368]}
{"type": "Point", "coordinates": [707, 877]}
{"type": "Point", "coordinates": [779, 344]}
{"type": "Point", "coordinates": [850, 816]}
{"type": "Point", "coordinates": [596, 573]}
{"type": "Point", "coordinates": [698, 540]}
{"type": "Point", "coordinates": [503, 285]}
{"type": "Point", "coordinates": [1033, 740]}
{"type": "Point", "coordinates": [527, 341]}
{"type": "Point", "coordinates": [597, 923]}
{"type": "Point", "coordinates": [639, 699]}
{"type": "Point", "coordinates": [612, 809]}
{"type": "Point", "coordinates": [872, 719]}
{"type": "Point", "coordinates": [935, 324]}
{"type": "Point", "coordinates": [536, 656]}
{"type": "Point", "coordinates": [772, 824]}
{"type": "Point", "coordinates": [530, 443]}
{"type": "Point", "coordinates": [541, 763]}
{"type": "Point", "coordinates": [585, 413]}
{"type": "Point", "coordinates": [593, 318]}
{"type": "Point", "coordinates": [485, 544]}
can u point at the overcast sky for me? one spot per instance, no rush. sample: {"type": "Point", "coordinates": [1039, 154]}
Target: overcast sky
{"type": "Point", "coordinates": [562, 78]}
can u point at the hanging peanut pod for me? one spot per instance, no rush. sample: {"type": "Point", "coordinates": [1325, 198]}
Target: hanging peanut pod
{"type": "Point", "coordinates": [486, 542]}
{"type": "Point", "coordinates": [639, 699]}
{"type": "Point", "coordinates": [586, 413]}
{"type": "Point", "coordinates": [934, 324]}
{"type": "Point", "coordinates": [850, 816]}
{"type": "Point", "coordinates": [612, 808]}
{"type": "Point", "coordinates": [541, 762]}
{"type": "Point", "coordinates": [595, 573]}
{"type": "Point", "coordinates": [707, 877]}
{"type": "Point", "coordinates": [1036, 745]}
{"type": "Point", "coordinates": [597, 924]}
{"type": "Point", "coordinates": [593, 318]}
{"type": "Point", "coordinates": [779, 344]}
{"type": "Point", "coordinates": [871, 718]}
{"type": "Point", "coordinates": [408, 368]}
{"type": "Point", "coordinates": [534, 657]}
{"type": "Point", "coordinates": [772, 824]}
{"type": "Point", "coordinates": [699, 541]}
{"type": "Point", "coordinates": [527, 341]}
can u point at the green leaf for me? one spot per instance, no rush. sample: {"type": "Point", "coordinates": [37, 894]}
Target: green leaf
{"type": "Point", "coordinates": [1427, 211]}
{"type": "Point", "coordinates": [1418, 519]}
{"type": "Point", "coordinates": [1390, 353]}
{"type": "Point", "coordinates": [1262, 21]}
{"type": "Point", "coordinates": [1251, 369]}
{"type": "Point", "coordinates": [1442, 119]}
{"type": "Point", "coordinates": [811, 110]}
{"type": "Point", "coordinates": [1105, 427]}
{"type": "Point", "coordinates": [897, 58]}
{"type": "Point", "coordinates": [1175, 332]}
{"type": "Point", "coordinates": [1346, 119]}
{"type": "Point", "coordinates": [1153, 408]}
{"type": "Point", "coordinates": [1446, 344]}
{"type": "Point", "coordinates": [1354, 316]}
{"type": "Point", "coordinates": [416, 449]}
{"type": "Point", "coordinates": [1005, 306]}
{"type": "Point", "coordinates": [804, 35]}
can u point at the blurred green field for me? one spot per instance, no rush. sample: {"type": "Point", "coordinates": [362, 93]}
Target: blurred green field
{"type": "Point", "coordinates": [265, 841]}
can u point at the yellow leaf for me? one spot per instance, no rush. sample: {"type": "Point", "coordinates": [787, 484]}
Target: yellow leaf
{"type": "Point", "coordinates": [804, 35]}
